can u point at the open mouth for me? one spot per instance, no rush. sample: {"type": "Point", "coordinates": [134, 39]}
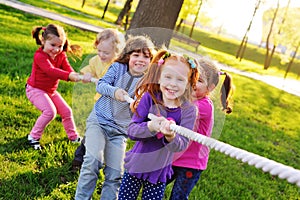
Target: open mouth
{"type": "Point", "coordinates": [170, 91]}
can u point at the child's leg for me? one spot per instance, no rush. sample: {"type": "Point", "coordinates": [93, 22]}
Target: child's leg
{"type": "Point", "coordinates": [184, 183]}
{"type": "Point", "coordinates": [114, 154]}
{"type": "Point", "coordinates": [65, 111]}
{"type": "Point", "coordinates": [153, 191]}
{"type": "Point", "coordinates": [130, 187]}
{"type": "Point", "coordinates": [43, 102]}
{"type": "Point", "coordinates": [78, 158]}
{"type": "Point", "coordinates": [93, 159]}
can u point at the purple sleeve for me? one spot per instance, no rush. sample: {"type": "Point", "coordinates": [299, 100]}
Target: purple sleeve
{"type": "Point", "coordinates": [138, 129]}
{"type": "Point", "coordinates": [188, 118]}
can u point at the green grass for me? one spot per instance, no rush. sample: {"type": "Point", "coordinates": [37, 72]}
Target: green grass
{"type": "Point", "coordinates": [265, 121]}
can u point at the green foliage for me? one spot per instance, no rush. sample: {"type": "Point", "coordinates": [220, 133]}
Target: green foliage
{"type": "Point", "coordinates": [264, 121]}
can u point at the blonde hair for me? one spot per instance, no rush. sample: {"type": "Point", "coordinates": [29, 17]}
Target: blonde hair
{"type": "Point", "coordinates": [116, 37]}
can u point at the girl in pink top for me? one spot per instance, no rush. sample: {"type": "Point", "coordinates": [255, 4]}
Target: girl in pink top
{"type": "Point", "coordinates": [50, 64]}
{"type": "Point", "coordinates": [189, 164]}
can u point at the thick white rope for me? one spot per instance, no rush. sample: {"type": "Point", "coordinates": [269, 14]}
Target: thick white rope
{"type": "Point", "coordinates": [93, 80]}
{"type": "Point", "coordinates": [291, 174]}
{"type": "Point", "coordinates": [126, 97]}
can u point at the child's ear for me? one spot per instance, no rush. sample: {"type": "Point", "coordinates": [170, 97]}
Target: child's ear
{"type": "Point", "coordinates": [42, 41]}
{"type": "Point", "coordinates": [211, 87]}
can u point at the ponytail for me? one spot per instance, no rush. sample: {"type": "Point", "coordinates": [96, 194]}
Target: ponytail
{"type": "Point", "coordinates": [226, 92]}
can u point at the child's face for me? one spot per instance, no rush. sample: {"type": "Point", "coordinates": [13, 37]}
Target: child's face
{"type": "Point", "coordinates": [53, 46]}
{"type": "Point", "coordinates": [173, 80]}
{"type": "Point", "coordinates": [138, 63]}
{"type": "Point", "coordinates": [106, 51]}
{"type": "Point", "coordinates": [201, 88]}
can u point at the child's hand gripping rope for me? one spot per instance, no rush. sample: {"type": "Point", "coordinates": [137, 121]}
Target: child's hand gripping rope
{"type": "Point", "coordinates": [291, 174]}
{"type": "Point", "coordinates": [85, 79]}
{"type": "Point", "coordinates": [94, 80]}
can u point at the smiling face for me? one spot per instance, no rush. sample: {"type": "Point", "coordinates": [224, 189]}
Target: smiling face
{"type": "Point", "coordinates": [201, 87]}
{"type": "Point", "coordinates": [106, 51]}
{"type": "Point", "coordinates": [173, 82]}
{"type": "Point", "coordinates": [138, 63]}
{"type": "Point", "coordinates": [53, 46]}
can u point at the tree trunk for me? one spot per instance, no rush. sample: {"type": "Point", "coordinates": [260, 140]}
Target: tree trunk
{"type": "Point", "coordinates": [179, 25]}
{"type": "Point", "coordinates": [105, 9]}
{"type": "Point", "coordinates": [268, 63]}
{"type": "Point", "coordinates": [83, 2]}
{"type": "Point", "coordinates": [124, 11]}
{"type": "Point", "coordinates": [291, 61]}
{"type": "Point", "coordinates": [156, 19]}
{"type": "Point", "coordinates": [196, 17]}
{"type": "Point", "coordinates": [267, 59]}
{"type": "Point", "coordinates": [242, 47]}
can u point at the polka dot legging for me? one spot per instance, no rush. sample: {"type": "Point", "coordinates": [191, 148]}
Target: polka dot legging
{"type": "Point", "coordinates": [132, 185]}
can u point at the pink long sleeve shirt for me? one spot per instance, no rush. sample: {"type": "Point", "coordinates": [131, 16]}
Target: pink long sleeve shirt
{"type": "Point", "coordinates": [196, 155]}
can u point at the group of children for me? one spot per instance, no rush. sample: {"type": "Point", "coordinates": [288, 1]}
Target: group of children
{"type": "Point", "coordinates": [172, 87]}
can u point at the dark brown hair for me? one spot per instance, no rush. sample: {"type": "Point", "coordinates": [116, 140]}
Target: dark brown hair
{"type": "Point", "coordinates": [55, 30]}
{"type": "Point", "coordinates": [136, 44]}
{"type": "Point", "coordinates": [212, 74]}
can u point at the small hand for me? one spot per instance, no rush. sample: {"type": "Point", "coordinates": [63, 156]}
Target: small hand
{"type": "Point", "coordinates": [87, 77]}
{"type": "Point", "coordinates": [119, 94]}
{"type": "Point", "coordinates": [74, 76]}
{"type": "Point", "coordinates": [166, 130]}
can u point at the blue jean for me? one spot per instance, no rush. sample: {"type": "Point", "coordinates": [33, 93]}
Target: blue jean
{"type": "Point", "coordinates": [185, 180]}
{"type": "Point", "coordinates": [105, 147]}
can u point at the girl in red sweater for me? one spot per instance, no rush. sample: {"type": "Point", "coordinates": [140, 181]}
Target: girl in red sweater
{"type": "Point", "coordinates": [50, 64]}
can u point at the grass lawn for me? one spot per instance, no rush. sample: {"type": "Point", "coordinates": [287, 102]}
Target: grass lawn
{"type": "Point", "coordinates": [264, 121]}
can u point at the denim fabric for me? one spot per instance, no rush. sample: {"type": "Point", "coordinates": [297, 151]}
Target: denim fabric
{"type": "Point", "coordinates": [185, 180]}
{"type": "Point", "coordinates": [105, 147]}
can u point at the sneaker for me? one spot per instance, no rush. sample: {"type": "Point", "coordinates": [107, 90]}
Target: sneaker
{"type": "Point", "coordinates": [76, 165]}
{"type": "Point", "coordinates": [34, 143]}
{"type": "Point", "coordinates": [77, 140]}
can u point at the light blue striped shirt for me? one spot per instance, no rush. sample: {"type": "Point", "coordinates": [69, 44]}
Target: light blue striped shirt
{"type": "Point", "coordinates": [109, 111]}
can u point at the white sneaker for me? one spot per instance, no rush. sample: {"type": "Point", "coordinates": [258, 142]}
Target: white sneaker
{"type": "Point", "coordinates": [34, 143]}
{"type": "Point", "coordinates": [77, 140]}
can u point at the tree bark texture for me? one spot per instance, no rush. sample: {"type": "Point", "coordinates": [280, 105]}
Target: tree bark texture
{"type": "Point", "coordinates": [161, 16]}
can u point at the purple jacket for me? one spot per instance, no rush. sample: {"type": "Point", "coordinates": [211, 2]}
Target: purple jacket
{"type": "Point", "coordinates": [151, 158]}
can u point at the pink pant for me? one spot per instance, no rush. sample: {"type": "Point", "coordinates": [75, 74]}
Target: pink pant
{"type": "Point", "coordinates": [50, 105]}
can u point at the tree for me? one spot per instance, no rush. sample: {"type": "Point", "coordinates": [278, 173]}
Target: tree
{"type": "Point", "coordinates": [105, 9]}
{"type": "Point", "coordinates": [124, 12]}
{"type": "Point", "coordinates": [283, 18]}
{"type": "Point", "coordinates": [196, 17]}
{"type": "Point", "coordinates": [243, 45]}
{"type": "Point", "coordinates": [83, 2]}
{"type": "Point", "coordinates": [266, 65]}
{"type": "Point", "coordinates": [156, 15]}
{"type": "Point", "coordinates": [186, 9]}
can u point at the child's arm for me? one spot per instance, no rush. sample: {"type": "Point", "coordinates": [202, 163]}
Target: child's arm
{"type": "Point", "coordinates": [63, 73]}
{"type": "Point", "coordinates": [106, 85]}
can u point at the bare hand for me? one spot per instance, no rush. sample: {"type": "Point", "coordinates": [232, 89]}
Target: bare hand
{"type": "Point", "coordinates": [87, 77]}
{"type": "Point", "coordinates": [156, 124]}
{"type": "Point", "coordinates": [119, 94]}
{"type": "Point", "coordinates": [166, 130]}
{"type": "Point", "coordinates": [74, 77]}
